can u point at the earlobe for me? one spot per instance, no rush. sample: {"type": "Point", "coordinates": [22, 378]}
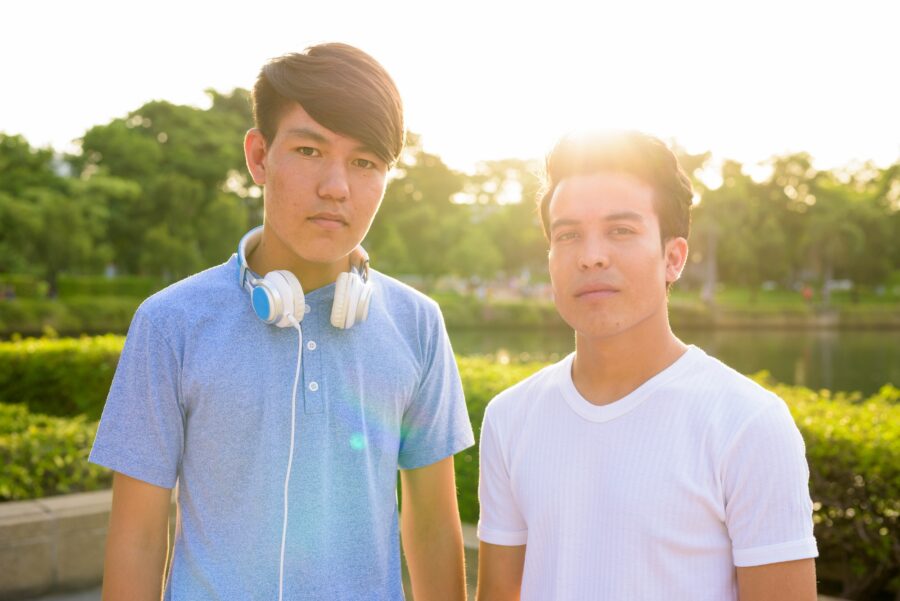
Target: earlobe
{"type": "Point", "coordinates": [255, 155]}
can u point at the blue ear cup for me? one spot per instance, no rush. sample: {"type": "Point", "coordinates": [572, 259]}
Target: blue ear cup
{"type": "Point", "coordinates": [278, 297]}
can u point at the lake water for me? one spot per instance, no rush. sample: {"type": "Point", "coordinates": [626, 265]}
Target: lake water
{"type": "Point", "coordinates": [833, 359]}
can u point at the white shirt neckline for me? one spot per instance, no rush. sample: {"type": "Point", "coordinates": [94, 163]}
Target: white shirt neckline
{"type": "Point", "coordinates": [618, 408]}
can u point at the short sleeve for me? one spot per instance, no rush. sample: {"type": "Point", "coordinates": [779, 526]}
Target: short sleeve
{"type": "Point", "coordinates": [500, 522]}
{"type": "Point", "coordinates": [768, 511]}
{"type": "Point", "coordinates": [141, 431]}
{"type": "Point", "coordinates": [436, 422]}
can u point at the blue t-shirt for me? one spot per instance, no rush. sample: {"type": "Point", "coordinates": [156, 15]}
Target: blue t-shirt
{"type": "Point", "coordinates": [202, 398]}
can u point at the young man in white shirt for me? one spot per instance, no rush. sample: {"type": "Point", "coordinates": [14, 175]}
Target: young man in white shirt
{"type": "Point", "coordinates": [637, 467]}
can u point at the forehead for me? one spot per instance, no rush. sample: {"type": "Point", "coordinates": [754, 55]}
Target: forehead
{"type": "Point", "coordinates": [295, 122]}
{"type": "Point", "coordinates": [601, 193]}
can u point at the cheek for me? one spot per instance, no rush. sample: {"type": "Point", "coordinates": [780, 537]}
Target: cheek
{"type": "Point", "coordinates": [368, 191]}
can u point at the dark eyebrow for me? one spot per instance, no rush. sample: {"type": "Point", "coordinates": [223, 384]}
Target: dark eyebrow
{"type": "Point", "coordinates": [311, 134]}
{"type": "Point", "coordinates": [305, 132]}
{"type": "Point", "coordinates": [622, 216]}
{"type": "Point", "coordinates": [563, 223]}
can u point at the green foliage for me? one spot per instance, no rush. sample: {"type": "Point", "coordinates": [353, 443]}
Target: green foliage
{"type": "Point", "coordinates": [171, 177]}
{"type": "Point", "coordinates": [482, 380]}
{"type": "Point", "coordinates": [853, 450]}
{"type": "Point", "coordinates": [23, 285]}
{"type": "Point", "coordinates": [800, 225]}
{"type": "Point", "coordinates": [73, 316]}
{"type": "Point", "coordinates": [96, 286]}
{"type": "Point", "coordinates": [44, 456]}
{"type": "Point", "coordinates": [417, 223]}
{"type": "Point", "coordinates": [470, 312]}
{"type": "Point", "coordinates": [67, 377]}
{"type": "Point", "coordinates": [25, 168]}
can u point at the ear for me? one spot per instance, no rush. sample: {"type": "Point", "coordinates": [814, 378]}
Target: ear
{"type": "Point", "coordinates": [676, 256]}
{"type": "Point", "coordinates": [255, 154]}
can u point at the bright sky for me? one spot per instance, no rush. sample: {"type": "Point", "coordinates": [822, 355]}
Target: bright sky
{"type": "Point", "coordinates": [490, 79]}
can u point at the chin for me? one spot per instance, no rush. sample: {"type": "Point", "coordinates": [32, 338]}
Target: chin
{"type": "Point", "coordinates": [323, 253]}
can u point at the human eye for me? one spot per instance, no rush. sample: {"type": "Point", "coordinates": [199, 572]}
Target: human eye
{"type": "Point", "coordinates": [365, 163]}
{"type": "Point", "coordinates": [622, 231]}
{"type": "Point", "coordinates": [565, 236]}
{"type": "Point", "coordinates": [308, 151]}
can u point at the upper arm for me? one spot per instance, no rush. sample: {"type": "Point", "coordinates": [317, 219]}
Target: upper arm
{"type": "Point", "coordinates": [500, 521]}
{"type": "Point", "coordinates": [768, 511]}
{"type": "Point", "coordinates": [784, 581]}
{"type": "Point", "coordinates": [140, 511]}
{"type": "Point", "coordinates": [141, 432]}
{"type": "Point", "coordinates": [500, 570]}
{"type": "Point", "coordinates": [435, 423]}
{"type": "Point", "coordinates": [430, 490]}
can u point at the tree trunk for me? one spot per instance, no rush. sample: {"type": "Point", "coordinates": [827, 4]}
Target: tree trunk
{"type": "Point", "coordinates": [709, 285]}
{"type": "Point", "coordinates": [826, 285]}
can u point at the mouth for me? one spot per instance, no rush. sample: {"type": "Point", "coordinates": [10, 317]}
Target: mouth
{"type": "Point", "coordinates": [596, 291]}
{"type": "Point", "coordinates": [329, 221]}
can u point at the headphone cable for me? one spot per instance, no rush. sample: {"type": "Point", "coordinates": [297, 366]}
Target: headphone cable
{"type": "Point", "coordinates": [287, 476]}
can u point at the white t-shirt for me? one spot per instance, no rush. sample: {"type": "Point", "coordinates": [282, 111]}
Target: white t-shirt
{"type": "Point", "coordinates": [658, 495]}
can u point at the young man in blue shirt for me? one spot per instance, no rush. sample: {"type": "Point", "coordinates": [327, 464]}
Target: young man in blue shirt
{"type": "Point", "coordinates": [282, 390]}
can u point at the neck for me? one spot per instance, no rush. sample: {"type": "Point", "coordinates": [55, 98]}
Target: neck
{"type": "Point", "coordinates": [269, 255]}
{"type": "Point", "coordinates": [610, 367]}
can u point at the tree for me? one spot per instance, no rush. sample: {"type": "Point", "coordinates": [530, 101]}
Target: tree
{"type": "Point", "coordinates": [741, 232]}
{"type": "Point", "coordinates": [506, 193]}
{"type": "Point", "coordinates": [189, 196]}
{"type": "Point", "coordinates": [417, 209]}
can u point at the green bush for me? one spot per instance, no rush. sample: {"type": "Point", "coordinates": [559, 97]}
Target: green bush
{"type": "Point", "coordinates": [24, 285]}
{"type": "Point", "coordinates": [98, 286]}
{"type": "Point", "coordinates": [74, 316]}
{"type": "Point", "coordinates": [470, 312]}
{"type": "Point", "coordinates": [482, 380]}
{"type": "Point", "coordinates": [69, 376]}
{"type": "Point", "coordinates": [45, 455]}
{"type": "Point", "coordinates": [853, 450]}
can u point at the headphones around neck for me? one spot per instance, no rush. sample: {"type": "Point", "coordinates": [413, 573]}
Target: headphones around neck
{"type": "Point", "coordinates": [278, 298]}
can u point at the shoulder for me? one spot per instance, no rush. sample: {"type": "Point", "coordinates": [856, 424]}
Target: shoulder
{"type": "Point", "coordinates": [402, 310]}
{"type": "Point", "coordinates": [722, 389]}
{"type": "Point", "coordinates": [729, 406]}
{"type": "Point", "coordinates": [192, 299]}
{"type": "Point", "coordinates": [402, 297]}
{"type": "Point", "coordinates": [512, 406]}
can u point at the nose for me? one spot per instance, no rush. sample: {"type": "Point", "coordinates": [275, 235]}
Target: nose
{"type": "Point", "coordinates": [593, 253]}
{"type": "Point", "coordinates": [333, 183]}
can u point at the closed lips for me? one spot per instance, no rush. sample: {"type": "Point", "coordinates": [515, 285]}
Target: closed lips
{"type": "Point", "coordinates": [596, 289]}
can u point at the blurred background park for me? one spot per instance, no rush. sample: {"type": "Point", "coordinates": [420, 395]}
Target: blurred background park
{"type": "Point", "coordinates": [121, 171]}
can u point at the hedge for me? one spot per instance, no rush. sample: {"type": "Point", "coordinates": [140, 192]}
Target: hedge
{"type": "Point", "coordinates": [23, 285]}
{"type": "Point", "coordinates": [45, 455]}
{"type": "Point", "coordinates": [96, 286]}
{"type": "Point", "coordinates": [73, 316]}
{"type": "Point", "coordinates": [853, 449]}
{"type": "Point", "coordinates": [64, 377]}
{"type": "Point", "coordinates": [852, 443]}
